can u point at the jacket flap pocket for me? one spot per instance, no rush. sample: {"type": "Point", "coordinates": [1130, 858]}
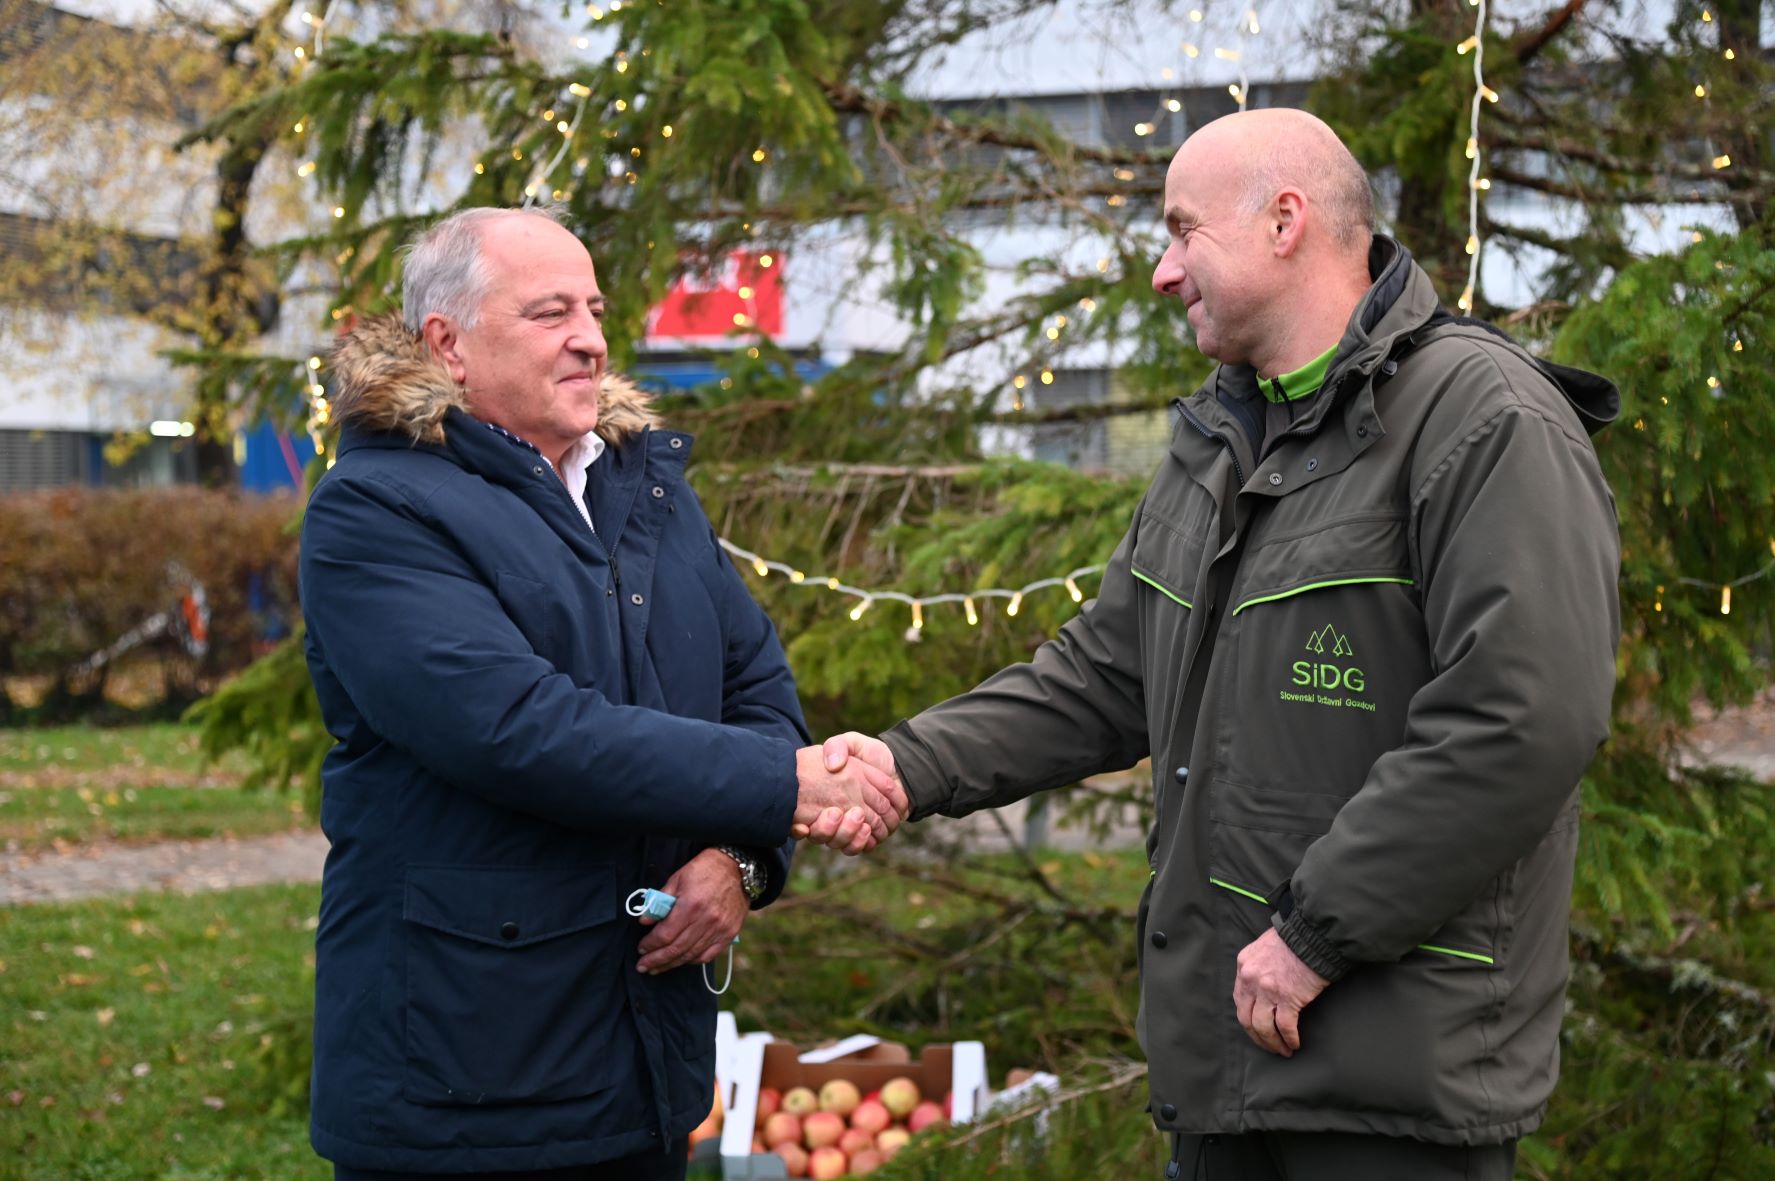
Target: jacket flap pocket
{"type": "Point", "coordinates": [510, 907]}
{"type": "Point", "coordinates": [1167, 558]}
{"type": "Point", "coordinates": [1369, 548]}
{"type": "Point", "coordinates": [1269, 810]}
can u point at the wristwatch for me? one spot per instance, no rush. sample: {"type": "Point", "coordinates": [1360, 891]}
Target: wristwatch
{"type": "Point", "coordinates": [752, 876]}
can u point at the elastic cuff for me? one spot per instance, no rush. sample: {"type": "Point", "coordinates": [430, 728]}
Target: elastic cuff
{"type": "Point", "coordinates": [1314, 950]}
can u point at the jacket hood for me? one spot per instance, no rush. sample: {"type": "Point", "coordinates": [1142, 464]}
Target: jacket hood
{"type": "Point", "coordinates": [388, 382]}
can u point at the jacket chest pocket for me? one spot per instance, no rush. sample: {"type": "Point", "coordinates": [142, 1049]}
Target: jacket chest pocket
{"type": "Point", "coordinates": [1166, 565]}
{"type": "Point", "coordinates": [514, 984]}
{"type": "Point", "coordinates": [1328, 647]}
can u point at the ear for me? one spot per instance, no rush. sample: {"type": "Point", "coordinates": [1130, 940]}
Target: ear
{"type": "Point", "coordinates": [444, 340]}
{"type": "Point", "coordinates": [1288, 221]}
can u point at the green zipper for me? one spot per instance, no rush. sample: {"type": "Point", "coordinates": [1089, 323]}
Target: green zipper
{"type": "Point", "coordinates": [1159, 587]}
{"type": "Point", "coordinates": [1301, 590]}
{"type": "Point", "coordinates": [1464, 955]}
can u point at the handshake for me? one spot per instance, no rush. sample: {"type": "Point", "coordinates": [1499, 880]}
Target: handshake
{"type": "Point", "coordinates": [850, 796]}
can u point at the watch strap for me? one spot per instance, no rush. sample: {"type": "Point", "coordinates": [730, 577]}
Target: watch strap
{"type": "Point", "coordinates": [752, 879]}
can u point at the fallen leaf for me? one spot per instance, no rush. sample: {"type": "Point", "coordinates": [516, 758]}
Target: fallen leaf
{"type": "Point", "coordinates": [83, 951]}
{"type": "Point", "coordinates": [213, 1102]}
{"type": "Point", "coordinates": [105, 1016]}
{"type": "Point", "coordinates": [46, 1101]}
{"type": "Point", "coordinates": [141, 969]}
{"type": "Point", "coordinates": [15, 1097]}
{"type": "Point", "coordinates": [78, 979]}
{"type": "Point", "coordinates": [39, 1015]}
{"type": "Point", "coordinates": [140, 1069]}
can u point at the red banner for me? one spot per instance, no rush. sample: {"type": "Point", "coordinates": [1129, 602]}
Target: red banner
{"type": "Point", "coordinates": [744, 295]}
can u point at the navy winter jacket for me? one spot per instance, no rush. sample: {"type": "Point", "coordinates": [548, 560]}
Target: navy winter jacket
{"type": "Point", "coordinates": [532, 721]}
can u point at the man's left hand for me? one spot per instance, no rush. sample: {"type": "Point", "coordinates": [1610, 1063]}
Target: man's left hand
{"type": "Point", "coordinates": [1270, 990]}
{"type": "Point", "coordinates": [710, 910]}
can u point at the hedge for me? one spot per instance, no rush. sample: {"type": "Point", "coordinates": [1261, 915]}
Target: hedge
{"type": "Point", "coordinates": [80, 567]}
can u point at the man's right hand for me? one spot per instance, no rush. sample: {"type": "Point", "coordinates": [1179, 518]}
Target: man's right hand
{"type": "Point", "coordinates": [852, 804]}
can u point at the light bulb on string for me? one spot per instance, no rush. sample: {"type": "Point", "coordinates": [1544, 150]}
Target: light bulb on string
{"type": "Point", "coordinates": [862, 606]}
{"type": "Point", "coordinates": [974, 616]}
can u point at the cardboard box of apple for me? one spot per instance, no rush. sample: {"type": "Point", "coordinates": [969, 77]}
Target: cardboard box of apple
{"type": "Point", "coordinates": [840, 1131]}
{"type": "Point", "coordinates": [840, 1111]}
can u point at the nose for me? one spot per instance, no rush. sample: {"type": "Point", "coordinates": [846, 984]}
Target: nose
{"type": "Point", "coordinates": [588, 336]}
{"type": "Point", "coordinates": [1168, 274]}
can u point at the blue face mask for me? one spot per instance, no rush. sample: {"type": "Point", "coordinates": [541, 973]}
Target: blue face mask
{"type": "Point", "coordinates": [656, 905]}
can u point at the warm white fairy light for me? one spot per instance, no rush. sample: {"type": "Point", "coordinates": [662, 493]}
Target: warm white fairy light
{"type": "Point", "coordinates": [916, 604]}
{"type": "Point", "coordinates": [1476, 184]}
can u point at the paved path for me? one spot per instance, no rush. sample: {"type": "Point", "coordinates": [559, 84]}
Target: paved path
{"type": "Point", "coordinates": [89, 871]}
{"type": "Point", "coordinates": [1741, 737]}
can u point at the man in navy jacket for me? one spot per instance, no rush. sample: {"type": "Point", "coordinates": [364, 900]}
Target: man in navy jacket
{"type": "Point", "coordinates": [549, 688]}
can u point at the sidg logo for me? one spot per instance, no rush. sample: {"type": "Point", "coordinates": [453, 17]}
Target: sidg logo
{"type": "Point", "coordinates": [1321, 678]}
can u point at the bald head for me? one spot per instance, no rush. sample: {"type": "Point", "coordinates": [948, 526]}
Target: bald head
{"type": "Point", "coordinates": [1276, 148]}
{"type": "Point", "coordinates": [1269, 220]}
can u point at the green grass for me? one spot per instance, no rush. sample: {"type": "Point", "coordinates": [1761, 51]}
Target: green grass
{"type": "Point", "coordinates": [86, 748]}
{"type": "Point", "coordinates": [133, 1034]}
{"type": "Point", "coordinates": [79, 784]}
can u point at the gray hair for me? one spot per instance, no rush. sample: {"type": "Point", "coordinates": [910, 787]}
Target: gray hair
{"type": "Point", "coordinates": [1332, 177]}
{"type": "Point", "coordinates": [445, 271]}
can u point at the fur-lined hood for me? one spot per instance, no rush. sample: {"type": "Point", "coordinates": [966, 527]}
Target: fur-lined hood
{"type": "Point", "coordinates": [388, 381]}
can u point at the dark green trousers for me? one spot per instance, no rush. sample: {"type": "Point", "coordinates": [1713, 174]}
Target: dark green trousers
{"type": "Point", "coordinates": [1336, 1156]}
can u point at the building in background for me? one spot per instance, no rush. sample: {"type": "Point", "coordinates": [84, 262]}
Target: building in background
{"type": "Point", "coordinates": [80, 386]}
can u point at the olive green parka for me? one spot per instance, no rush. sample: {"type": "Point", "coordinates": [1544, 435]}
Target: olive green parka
{"type": "Point", "coordinates": [1370, 663]}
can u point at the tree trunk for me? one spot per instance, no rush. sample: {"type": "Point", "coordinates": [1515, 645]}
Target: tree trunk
{"type": "Point", "coordinates": [1740, 24]}
{"type": "Point", "coordinates": [1420, 222]}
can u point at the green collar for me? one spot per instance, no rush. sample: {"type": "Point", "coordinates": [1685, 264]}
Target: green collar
{"type": "Point", "coordinates": [1302, 383]}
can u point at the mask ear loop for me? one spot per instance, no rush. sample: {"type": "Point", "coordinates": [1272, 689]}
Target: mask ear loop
{"type": "Point", "coordinates": [727, 979]}
{"type": "Point", "coordinates": [634, 904]}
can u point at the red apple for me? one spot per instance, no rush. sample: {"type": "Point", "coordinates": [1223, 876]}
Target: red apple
{"type": "Point", "coordinates": [924, 1115]}
{"type": "Point", "coordinates": [866, 1161]}
{"type": "Point", "coordinates": [870, 1116]}
{"type": "Point", "coordinates": [900, 1096]}
{"type": "Point", "coordinates": [839, 1096]}
{"type": "Point", "coordinates": [800, 1101]}
{"type": "Point", "coordinates": [794, 1158]}
{"type": "Point", "coordinates": [875, 1094]}
{"type": "Point", "coordinates": [821, 1129]}
{"type": "Point", "coordinates": [769, 1101]}
{"type": "Point", "coordinates": [825, 1164]}
{"type": "Point", "coordinates": [891, 1140]}
{"type": "Point", "coordinates": [782, 1128]}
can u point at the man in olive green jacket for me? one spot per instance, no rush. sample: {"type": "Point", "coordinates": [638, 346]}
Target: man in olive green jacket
{"type": "Point", "coordinates": [1364, 622]}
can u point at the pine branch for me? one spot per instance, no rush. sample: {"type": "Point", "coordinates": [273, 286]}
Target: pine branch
{"type": "Point", "coordinates": [1677, 975]}
{"type": "Point", "coordinates": [1527, 45]}
{"type": "Point", "coordinates": [1583, 194]}
{"type": "Point", "coordinates": [1124, 1077]}
{"type": "Point", "coordinates": [1597, 158]}
{"type": "Point", "coordinates": [849, 100]}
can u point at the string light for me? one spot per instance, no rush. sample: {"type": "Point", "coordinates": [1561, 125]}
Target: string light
{"type": "Point", "coordinates": [1725, 589]}
{"type": "Point", "coordinates": [1475, 44]}
{"type": "Point", "coordinates": [916, 604]}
